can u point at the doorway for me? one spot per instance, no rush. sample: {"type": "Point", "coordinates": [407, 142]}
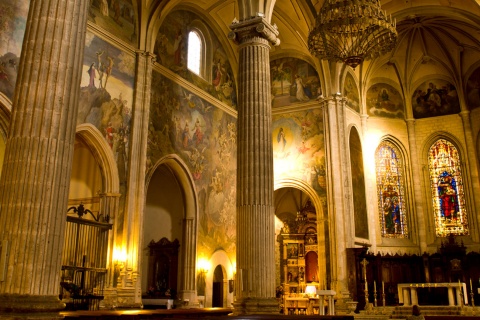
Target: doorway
{"type": "Point", "coordinates": [217, 289]}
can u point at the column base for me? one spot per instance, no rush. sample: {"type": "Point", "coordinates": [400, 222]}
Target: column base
{"type": "Point", "coordinates": [256, 306]}
{"type": "Point", "coordinates": [20, 306]}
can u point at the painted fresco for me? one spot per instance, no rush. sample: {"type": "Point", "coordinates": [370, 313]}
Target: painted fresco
{"type": "Point", "coordinates": [117, 17]}
{"type": "Point", "coordinates": [298, 147]}
{"type": "Point", "coordinates": [293, 81]}
{"type": "Point", "coordinates": [473, 90]}
{"type": "Point", "coordinates": [205, 138]}
{"type": "Point", "coordinates": [105, 100]}
{"type": "Point", "coordinates": [358, 185]}
{"type": "Point", "coordinates": [435, 98]}
{"type": "Point", "coordinates": [350, 92]}
{"type": "Point", "coordinates": [13, 18]}
{"type": "Point", "coordinates": [383, 100]}
{"type": "Point", "coordinates": [171, 50]}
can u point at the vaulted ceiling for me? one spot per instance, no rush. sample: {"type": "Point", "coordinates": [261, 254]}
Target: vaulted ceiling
{"type": "Point", "coordinates": [439, 36]}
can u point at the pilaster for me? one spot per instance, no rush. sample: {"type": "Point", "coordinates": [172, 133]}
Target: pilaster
{"type": "Point", "coordinates": [36, 171]}
{"type": "Point", "coordinates": [255, 289]}
{"type": "Point", "coordinates": [129, 291]}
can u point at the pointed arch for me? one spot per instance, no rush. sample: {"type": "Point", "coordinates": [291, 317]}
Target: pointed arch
{"type": "Point", "coordinates": [5, 115]}
{"type": "Point", "coordinates": [390, 171]}
{"type": "Point", "coordinates": [103, 155]}
{"type": "Point", "coordinates": [447, 188]}
{"type": "Point", "coordinates": [182, 174]}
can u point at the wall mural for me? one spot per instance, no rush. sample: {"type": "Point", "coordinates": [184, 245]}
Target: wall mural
{"type": "Point", "coordinates": [383, 100]}
{"type": "Point", "coordinates": [13, 17]}
{"type": "Point", "coordinates": [435, 98]}
{"type": "Point", "coordinates": [116, 16]}
{"type": "Point", "coordinates": [205, 138]}
{"type": "Point", "coordinates": [358, 185]}
{"type": "Point", "coordinates": [171, 50]}
{"type": "Point", "coordinates": [473, 90]}
{"type": "Point", "coordinates": [350, 92]}
{"type": "Point", "coordinates": [298, 147]}
{"type": "Point", "coordinates": [105, 101]}
{"type": "Point", "coordinates": [293, 80]}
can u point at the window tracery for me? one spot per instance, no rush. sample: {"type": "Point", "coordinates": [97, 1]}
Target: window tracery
{"type": "Point", "coordinates": [392, 207]}
{"type": "Point", "coordinates": [446, 185]}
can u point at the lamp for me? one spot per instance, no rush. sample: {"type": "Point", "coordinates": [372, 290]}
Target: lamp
{"type": "Point", "coordinates": [352, 31]}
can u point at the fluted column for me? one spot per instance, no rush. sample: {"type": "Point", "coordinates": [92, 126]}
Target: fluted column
{"type": "Point", "coordinates": [187, 280]}
{"type": "Point", "coordinates": [255, 289]}
{"type": "Point", "coordinates": [38, 157]}
{"type": "Point", "coordinates": [473, 171]}
{"type": "Point", "coordinates": [339, 196]}
{"type": "Point", "coordinates": [129, 291]}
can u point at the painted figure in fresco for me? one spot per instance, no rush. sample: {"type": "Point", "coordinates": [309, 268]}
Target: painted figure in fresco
{"type": "Point", "coordinates": [217, 73]}
{"type": "Point", "coordinates": [301, 96]}
{"type": "Point", "coordinates": [448, 197]}
{"type": "Point", "coordinates": [104, 7]}
{"type": "Point", "coordinates": [91, 73]}
{"type": "Point", "coordinates": [177, 48]}
{"type": "Point", "coordinates": [281, 139]}
{"type": "Point", "coordinates": [186, 135]}
{"type": "Point", "coordinates": [198, 135]}
{"type": "Point", "coordinates": [108, 70]}
{"type": "Point", "coordinates": [109, 134]}
{"type": "Point", "coordinates": [100, 68]}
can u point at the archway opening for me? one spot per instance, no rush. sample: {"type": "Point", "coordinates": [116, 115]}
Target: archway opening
{"type": "Point", "coordinates": [218, 287]}
{"type": "Point", "coordinates": [162, 234]}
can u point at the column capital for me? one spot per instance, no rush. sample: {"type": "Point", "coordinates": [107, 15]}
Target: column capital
{"type": "Point", "coordinates": [252, 30]}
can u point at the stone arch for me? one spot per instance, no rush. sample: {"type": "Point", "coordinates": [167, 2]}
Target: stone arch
{"type": "Point", "coordinates": [186, 288]}
{"type": "Point", "coordinates": [323, 223]}
{"type": "Point", "coordinates": [5, 115]}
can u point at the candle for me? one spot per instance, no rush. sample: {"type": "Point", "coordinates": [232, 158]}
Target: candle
{"type": "Point", "coordinates": [471, 288]}
{"type": "Point", "coordinates": [374, 286]}
{"type": "Point", "coordinates": [366, 287]}
{"type": "Point", "coordinates": [383, 286]}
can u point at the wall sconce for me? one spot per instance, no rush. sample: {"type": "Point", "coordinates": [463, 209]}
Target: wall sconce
{"type": "Point", "coordinates": [119, 260]}
{"type": "Point", "coordinates": [203, 266]}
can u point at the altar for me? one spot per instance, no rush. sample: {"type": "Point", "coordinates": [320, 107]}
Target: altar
{"type": "Point", "coordinates": [457, 292]}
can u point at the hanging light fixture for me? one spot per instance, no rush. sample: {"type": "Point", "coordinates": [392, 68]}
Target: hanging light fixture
{"type": "Point", "coordinates": [352, 31]}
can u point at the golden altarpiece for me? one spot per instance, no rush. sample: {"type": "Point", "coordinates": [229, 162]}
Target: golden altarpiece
{"type": "Point", "coordinates": [299, 262]}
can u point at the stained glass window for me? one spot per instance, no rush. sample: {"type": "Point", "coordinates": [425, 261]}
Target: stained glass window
{"type": "Point", "coordinates": [389, 167]}
{"type": "Point", "coordinates": [447, 191]}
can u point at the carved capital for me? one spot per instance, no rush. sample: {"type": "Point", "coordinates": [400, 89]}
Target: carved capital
{"type": "Point", "coordinates": [254, 30]}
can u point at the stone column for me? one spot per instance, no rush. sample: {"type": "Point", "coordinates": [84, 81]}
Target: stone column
{"type": "Point", "coordinates": [255, 289]}
{"type": "Point", "coordinates": [129, 290]}
{"type": "Point", "coordinates": [38, 158]}
{"type": "Point", "coordinates": [187, 276]}
{"type": "Point", "coordinates": [473, 173]}
{"type": "Point", "coordinates": [339, 198]}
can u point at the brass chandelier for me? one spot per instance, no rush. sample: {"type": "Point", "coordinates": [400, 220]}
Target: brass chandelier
{"type": "Point", "coordinates": [352, 31]}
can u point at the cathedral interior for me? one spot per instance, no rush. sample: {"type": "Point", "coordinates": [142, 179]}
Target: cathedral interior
{"type": "Point", "coordinates": [198, 154]}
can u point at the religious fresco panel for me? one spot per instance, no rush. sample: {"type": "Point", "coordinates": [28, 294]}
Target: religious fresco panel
{"type": "Point", "coordinates": [358, 185]}
{"type": "Point", "coordinates": [293, 81]}
{"type": "Point", "coordinates": [105, 100]}
{"type": "Point", "coordinates": [435, 98]}
{"type": "Point", "coordinates": [298, 148]}
{"type": "Point", "coordinates": [473, 90]}
{"type": "Point", "coordinates": [383, 100]}
{"type": "Point", "coordinates": [205, 138]}
{"type": "Point", "coordinates": [118, 17]}
{"type": "Point", "coordinates": [13, 18]}
{"type": "Point", "coordinates": [350, 93]}
{"type": "Point", "coordinates": [171, 50]}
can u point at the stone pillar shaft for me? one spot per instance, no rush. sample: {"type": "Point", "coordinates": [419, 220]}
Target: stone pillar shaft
{"type": "Point", "coordinates": [131, 288]}
{"type": "Point", "coordinates": [39, 150]}
{"type": "Point", "coordinates": [255, 289]}
{"type": "Point", "coordinates": [187, 280]}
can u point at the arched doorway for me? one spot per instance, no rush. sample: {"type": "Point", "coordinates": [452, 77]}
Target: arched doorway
{"type": "Point", "coordinates": [171, 213]}
{"type": "Point", "coordinates": [218, 287]}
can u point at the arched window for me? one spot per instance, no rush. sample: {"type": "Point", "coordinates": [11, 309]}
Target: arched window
{"type": "Point", "coordinates": [392, 207]}
{"type": "Point", "coordinates": [447, 191]}
{"type": "Point", "coordinates": [195, 48]}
